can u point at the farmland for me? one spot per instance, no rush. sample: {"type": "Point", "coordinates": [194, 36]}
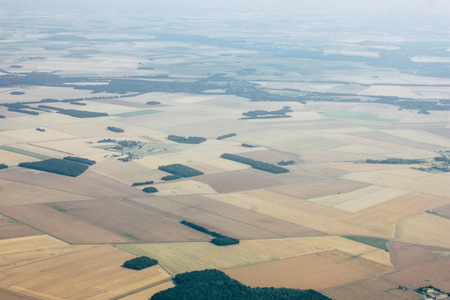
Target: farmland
{"type": "Point", "coordinates": [276, 119]}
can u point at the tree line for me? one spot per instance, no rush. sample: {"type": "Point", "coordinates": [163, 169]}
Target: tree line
{"type": "Point", "coordinates": [186, 140]}
{"type": "Point", "coordinates": [255, 164]}
{"type": "Point", "coordinates": [180, 170]}
{"type": "Point", "coordinates": [57, 166]}
{"type": "Point", "coordinates": [219, 239]}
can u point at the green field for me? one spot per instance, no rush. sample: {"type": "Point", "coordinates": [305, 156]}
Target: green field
{"type": "Point", "coordinates": [354, 116]}
{"type": "Point", "coordinates": [24, 152]}
{"type": "Point", "coordinates": [137, 113]}
{"type": "Point", "coordinates": [368, 240]}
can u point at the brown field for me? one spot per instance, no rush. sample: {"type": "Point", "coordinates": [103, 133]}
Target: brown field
{"type": "Point", "coordinates": [312, 271]}
{"type": "Point", "coordinates": [421, 136]}
{"type": "Point", "coordinates": [11, 296]}
{"type": "Point", "coordinates": [405, 255]}
{"type": "Point", "coordinates": [148, 293]}
{"type": "Point", "coordinates": [104, 221]}
{"type": "Point", "coordinates": [403, 206]}
{"type": "Point", "coordinates": [183, 187]}
{"type": "Point", "coordinates": [185, 257]}
{"type": "Point", "coordinates": [406, 179]}
{"type": "Point", "coordinates": [25, 250]}
{"type": "Point", "coordinates": [227, 219]}
{"type": "Point", "coordinates": [289, 247]}
{"type": "Point", "coordinates": [15, 193]}
{"type": "Point", "coordinates": [127, 173]}
{"type": "Point", "coordinates": [444, 132]}
{"type": "Point", "coordinates": [320, 188]}
{"type": "Point", "coordinates": [433, 273]}
{"type": "Point", "coordinates": [10, 228]}
{"type": "Point", "coordinates": [86, 184]}
{"type": "Point", "coordinates": [234, 181]}
{"type": "Point", "coordinates": [444, 210]}
{"type": "Point", "coordinates": [425, 229]}
{"type": "Point", "coordinates": [370, 289]}
{"type": "Point", "coordinates": [322, 218]}
{"type": "Point", "coordinates": [94, 273]}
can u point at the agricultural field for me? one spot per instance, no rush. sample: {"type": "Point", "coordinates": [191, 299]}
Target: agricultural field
{"type": "Point", "coordinates": [330, 88]}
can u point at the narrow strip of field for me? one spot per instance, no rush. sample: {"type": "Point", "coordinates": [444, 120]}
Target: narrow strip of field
{"type": "Point", "coordinates": [24, 152]}
{"type": "Point", "coordinates": [137, 113]}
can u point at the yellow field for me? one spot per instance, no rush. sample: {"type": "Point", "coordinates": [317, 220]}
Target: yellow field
{"type": "Point", "coordinates": [407, 179]}
{"type": "Point", "coordinates": [25, 250]}
{"type": "Point", "coordinates": [183, 188]}
{"type": "Point", "coordinates": [14, 193]}
{"type": "Point", "coordinates": [154, 161]}
{"type": "Point", "coordinates": [289, 247]}
{"type": "Point", "coordinates": [360, 199]}
{"type": "Point", "coordinates": [128, 173]}
{"type": "Point", "coordinates": [425, 229]}
{"type": "Point", "coordinates": [327, 219]}
{"type": "Point", "coordinates": [184, 257]}
{"type": "Point", "coordinates": [403, 206]}
{"type": "Point", "coordinates": [32, 135]}
{"type": "Point", "coordinates": [148, 293]}
{"type": "Point", "coordinates": [77, 147]}
{"type": "Point", "coordinates": [94, 273]}
{"type": "Point", "coordinates": [13, 159]}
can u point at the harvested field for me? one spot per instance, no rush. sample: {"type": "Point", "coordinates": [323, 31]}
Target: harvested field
{"type": "Point", "coordinates": [443, 211]}
{"type": "Point", "coordinates": [104, 221]}
{"type": "Point", "coordinates": [406, 179]}
{"type": "Point", "coordinates": [148, 293]}
{"type": "Point", "coordinates": [22, 153]}
{"type": "Point", "coordinates": [184, 187]}
{"type": "Point", "coordinates": [227, 219]}
{"type": "Point", "coordinates": [11, 296]}
{"type": "Point", "coordinates": [127, 173]}
{"type": "Point", "coordinates": [421, 137]}
{"type": "Point", "coordinates": [25, 250]}
{"type": "Point", "coordinates": [10, 228]}
{"type": "Point", "coordinates": [425, 229]}
{"type": "Point", "coordinates": [92, 273]}
{"type": "Point", "coordinates": [322, 218]}
{"type": "Point", "coordinates": [320, 188]}
{"type": "Point", "coordinates": [360, 199]}
{"type": "Point", "coordinates": [13, 159]}
{"type": "Point", "coordinates": [234, 181]}
{"type": "Point", "coordinates": [313, 271]}
{"type": "Point", "coordinates": [268, 156]}
{"type": "Point", "coordinates": [32, 135]}
{"type": "Point", "coordinates": [185, 257]}
{"type": "Point", "coordinates": [405, 255]}
{"type": "Point", "coordinates": [370, 289]}
{"type": "Point", "coordinates": [361, 167]}
{"type": "Point", "coordinates": [403, 206]}
{"type": "Point", "coordinates": [76, 147]}
{"type": "Point", "coordinates": [433, 273]}
{"type": "Point", "coordinates": [137, 113]}
{"type": "Point", "coordinates": [15, 193]}
{"type": "Point", "coordinates": [289, 247]}
{"type": "Point", "coordinates": [128, 102]}
{"type": "Point", "coordinates": [86, 185]}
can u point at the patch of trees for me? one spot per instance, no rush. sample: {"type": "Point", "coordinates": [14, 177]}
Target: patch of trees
{"type": "Point", "coordinates": [78, 103]}
{"type": "Point", "coordinates": [395, 161]}
{"type": "Point", "coordinates": [2, 116]}
{"type": "Point", "coordinates": [171, 177]}
{"type": "Point", "coordinates": [286, 162]}
{"type": "Point", "coordinates": [40, 129]}
{"type": "Point", "coordinates": [17, 93]}
{"type": "Point", "coordinates": [80, 160]}
{"type": "Point", "coordinates": [214, 284]}
{"type": "Point", "coordinates": [150, 189]}
{"type": "Point", "coordinates": [75, 113]}
{"type": "Point", "coordinates": [106, 141]}
{"type": "Point", "coordinates": [180, 170]}
{"type": "Point", "coordinates": [225, 136]}
{"type": "Point", "coordinates": [441, 158]}
{"type": "Point", "coordinates": [186, 140]}
{"type": "Point", "coordinates": [23, 111]}
{"type": "Point", "coordinates": [57, 166]}
{"type": "Point", "coordinates": [255, 164]}
{"type": "Point", "coordinates": [219, 239]}
{"type": "Point", "coordinates": [248, 145]}
{"type": "Point", "coordinates": [153, 102]}
{"type": "Point", "coordinates": [115, 129]}
{"type": "Point", "coordinates": [139, 263]}
{"type": "Point", "coordinates": [264, 114]}
{"type": "Point", "coordinates": [3, 166]}
{"type": "Point", "coordinates": [142, 183]}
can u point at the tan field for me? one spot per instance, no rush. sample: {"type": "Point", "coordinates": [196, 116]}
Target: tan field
{"type": "Point", "coordinates": [32, 135]}
{"type": "Point", "coordinates": [10, 228]}
{"type": "Point", "coordinates": [317, 271]}
{"type": "Point", "coordinates": [13, 159]}
{"type": "Point", "coordinates": [184, 257]}
{"type": "Point", "coordinates": [148, 293]}
{"type": "Point", "coordinates": [127, 173]}
{"type": "Point", "coordinates": [425, 229]}
{"type": "Point", "coordinates": [285, 248]}
{"type": "Point", "coordinates": [26, 250]}
{"type": "Point", "coordinates": [184, 187]}
{"type": "Point", "coordinates": [94, 273]}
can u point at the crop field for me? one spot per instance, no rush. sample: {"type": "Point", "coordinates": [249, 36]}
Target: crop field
{"type": "Point", "coordinates": [20, 154]}
{"type": "Point", "coordinates": [234, 181]}
{"type": "Point", "coordinates": [185, 257]}
{"type": "Point", "coordinates": [421, 136]}
{"type": "Point", "coordinates": [91, 273]}
{"type": "Point", "coordinates": [322, 218]}
{"type": "Point", "coordinates": [137, 113]}
{"type": "Point", "coordinates": [87, 185]}
{"type": "Point", "coordinates": [289, 247]}
{"type": "Point", "coordinates": [444, 210]}
{"type": "Point", "coordinates": [360, 199]}
{"type": "Point", "coordinates": [20, 251]}
{"type": "Point", "coordinates": [317, 271]}
{"type": "Point", "coordinates": [405, 255]}
{"type": "Point", "coordinates": [268, 156]}
{"type": "Point", "coordinates": [127, 173]}
{"type": "Point", "coordinates": [13, 159]}
{"type": "Point", "coordinates": [425, 229]}
{"type": "Point", "coordinates": [184, 187]}
{"type": "Point", "coordinates": [104, 221]}
{"type": "Point", "coordinates": [11, 296]}
{"type": "Point", "coordinates": [433, 273]}
{"type": "Point", "coordinates": [354, 115]}
{"type": "Point", "coordinates": [371, 289]}
{"type": "Point", "coordinates": [148, 293]}
{"type": "Point", "coordinates": [10, 228]}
